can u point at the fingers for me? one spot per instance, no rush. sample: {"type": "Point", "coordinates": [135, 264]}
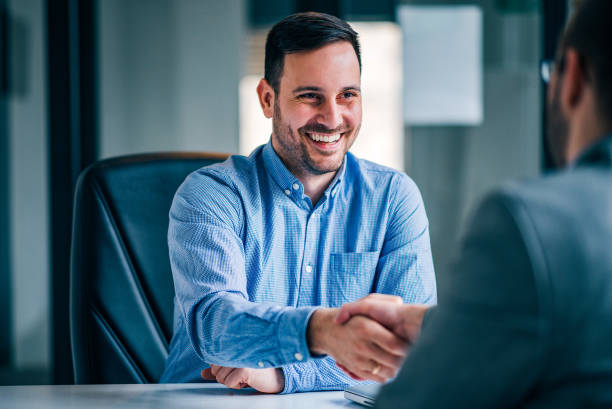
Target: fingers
{"type": "Point", "coordinates": [376, 354]}
{"type": "Point", "coordinates": [220, 374]}
{"type": "Point", "coordinates": [373, 305]}
{"type": "Point", "coordinates": [388, 342]}
{"type": "Point", "coordinates": [236, 379]}
{"type": "Point", "coordinates": [372, 351]}
{"type": "Point", "coordinates": [370, 370]}
{"type": "Point", "coordinates": [223, 373]}
{"type": "Point", "coordinates": [349, 373]}
{"type": "Point", "coordinates": [385, 297]}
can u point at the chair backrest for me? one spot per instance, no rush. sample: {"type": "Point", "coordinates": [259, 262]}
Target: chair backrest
{"type": "Point", "coordinates": [121, 289]}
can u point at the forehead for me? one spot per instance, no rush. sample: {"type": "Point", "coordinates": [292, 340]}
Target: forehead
{"type": "Point", "coordinates": [333, 66]}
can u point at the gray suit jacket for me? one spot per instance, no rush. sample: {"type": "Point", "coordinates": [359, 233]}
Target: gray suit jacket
{"type": "Point", "coordinates": [527, 319]}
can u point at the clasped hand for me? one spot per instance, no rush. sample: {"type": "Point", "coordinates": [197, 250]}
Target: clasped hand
{"type": "Point", "coordinates": [403, 320]}
{"type": "Point", "coordinates": [268, 380]}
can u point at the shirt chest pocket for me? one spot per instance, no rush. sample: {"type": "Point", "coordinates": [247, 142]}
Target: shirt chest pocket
{"type": "Point", "coordinates": [351, 275]}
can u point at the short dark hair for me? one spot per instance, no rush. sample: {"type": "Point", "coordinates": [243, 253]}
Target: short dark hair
{"type": "Point", "coordinates": [589, 32]}
{"type": "Point", "coordinates": [303, 32]}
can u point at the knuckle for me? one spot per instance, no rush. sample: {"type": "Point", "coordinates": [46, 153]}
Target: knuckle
{"type": "Point", "coordinates": [360, 348]}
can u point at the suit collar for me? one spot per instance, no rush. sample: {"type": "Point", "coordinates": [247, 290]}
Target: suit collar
{"type": "Point", "coordinates": [600, 153]}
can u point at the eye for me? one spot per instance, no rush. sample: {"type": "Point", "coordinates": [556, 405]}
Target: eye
{"type": "Point", "coordinates": [309, 96]}
{"type": "Point", "coordinates": [349, 94]}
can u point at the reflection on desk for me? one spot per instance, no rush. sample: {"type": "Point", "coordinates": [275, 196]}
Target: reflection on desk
{"type": "Point", "coordinates": [177, 396]}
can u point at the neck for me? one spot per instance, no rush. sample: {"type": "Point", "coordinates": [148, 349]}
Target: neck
{"type": "Point", "coordinates": [584, 132]}
{"type": "Point", "coordinates": [315, 185]}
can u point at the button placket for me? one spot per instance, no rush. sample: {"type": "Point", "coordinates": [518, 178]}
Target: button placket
{"type": "Point", "coordinates": [309, 259]}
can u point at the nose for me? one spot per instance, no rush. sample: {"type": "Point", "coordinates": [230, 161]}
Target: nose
{"type": "Point", "coordinates": [331, 114]}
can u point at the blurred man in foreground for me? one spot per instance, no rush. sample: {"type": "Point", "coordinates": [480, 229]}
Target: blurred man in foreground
{"type": "Point", "coordinates": [527, 318]}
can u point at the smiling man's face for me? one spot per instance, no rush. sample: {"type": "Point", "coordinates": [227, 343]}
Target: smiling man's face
{"type": "Point", "coordinates": [317, 111]}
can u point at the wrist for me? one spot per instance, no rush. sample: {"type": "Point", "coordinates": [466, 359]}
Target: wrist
{"type": "Point", "coordinates": [319, 327]}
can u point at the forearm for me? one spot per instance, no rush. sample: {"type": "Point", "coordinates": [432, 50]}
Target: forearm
{"type": "Point", "coordinates": [227, 330]}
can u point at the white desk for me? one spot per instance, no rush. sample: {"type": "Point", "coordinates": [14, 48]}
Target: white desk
{"type": "Point", "coordinates": [168, 396]}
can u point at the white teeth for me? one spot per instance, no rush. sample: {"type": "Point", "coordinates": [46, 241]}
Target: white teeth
{"type": "Point", "coordinates": [324, 138]}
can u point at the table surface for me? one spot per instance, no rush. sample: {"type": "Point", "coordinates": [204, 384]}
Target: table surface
{"type": "Point", "coordinates": [176, 396]}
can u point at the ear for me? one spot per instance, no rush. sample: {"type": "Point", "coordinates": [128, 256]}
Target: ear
{"type": "Point", "coordinates": [266, 95]}
{"type": "Point", "coordinates": [573, 82]}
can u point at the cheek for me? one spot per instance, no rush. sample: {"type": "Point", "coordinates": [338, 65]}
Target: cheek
{"type": "Point", "coordinates": [353, 117]}
{"type": "Point", "coordinates": [302, 116]}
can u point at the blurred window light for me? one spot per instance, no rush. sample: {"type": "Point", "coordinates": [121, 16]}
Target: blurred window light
{"type": "Point", "coordinates": [442, 64]}
{"type": "Point", "coordinates": [381, 138]}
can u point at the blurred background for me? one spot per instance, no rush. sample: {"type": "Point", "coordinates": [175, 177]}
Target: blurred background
{"type": "Point", "coordinates": [452, 95]}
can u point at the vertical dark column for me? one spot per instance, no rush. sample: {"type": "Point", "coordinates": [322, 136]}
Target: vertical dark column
{"type": "Point", "coordinates": [5, 271]}
{"type": "Point", "coordinates": [72, 146]}
{"type": "Point", "coordinates": [554, 17]}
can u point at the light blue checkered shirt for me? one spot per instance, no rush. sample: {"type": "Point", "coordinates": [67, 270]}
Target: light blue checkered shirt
{"type": "Point", "coordinates": [252, 258]}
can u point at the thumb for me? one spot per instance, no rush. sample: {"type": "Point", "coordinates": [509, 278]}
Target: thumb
{"type": "Point", "coordinates": [343, 315]}
{"type": "Point", "coordinates": [207, 375]}
{"type": "Point", "coordinates": [348, 310]}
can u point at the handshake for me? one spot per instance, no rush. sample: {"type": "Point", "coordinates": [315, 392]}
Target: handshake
{"type": "Point", "coordinates": [369, 339]}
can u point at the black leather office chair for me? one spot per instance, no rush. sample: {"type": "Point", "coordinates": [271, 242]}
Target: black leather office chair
{"type": "Point", "coordinates": [121, 290]}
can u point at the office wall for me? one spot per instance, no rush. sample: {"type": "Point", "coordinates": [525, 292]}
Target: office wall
{"type": "Point", "coordinates": [28, 194]}
{"type": "Point", "coordinates": [169, 75]}
{"type": "Point", "coordinates": [455, 166]}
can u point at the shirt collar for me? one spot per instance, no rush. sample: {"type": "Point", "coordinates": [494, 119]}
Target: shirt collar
{"type": "Point", "coordinates": [286, 180]}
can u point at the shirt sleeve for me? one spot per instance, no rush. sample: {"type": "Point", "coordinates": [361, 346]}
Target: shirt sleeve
{"type": "Point", "coordinates": [405, 266]}
{"type": "Point", "coordinates": [319, 374]}
{"type": "Point", "coordinates": [484, 345]}
{"type": "Point", "coordinates": [208, 267]}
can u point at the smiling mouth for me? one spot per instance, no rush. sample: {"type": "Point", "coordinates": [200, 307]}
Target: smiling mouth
{"type": "Point", "coordinates": [324, 138]}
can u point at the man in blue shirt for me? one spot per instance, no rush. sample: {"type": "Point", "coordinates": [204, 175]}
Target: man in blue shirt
{"type": "Point", "coordinates": [260, 245]}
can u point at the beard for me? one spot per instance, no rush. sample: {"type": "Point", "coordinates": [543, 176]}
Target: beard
{"type": "Point", "coordinates": [557, 134]}
{"type": "Point", "coordinates": [295, 153]}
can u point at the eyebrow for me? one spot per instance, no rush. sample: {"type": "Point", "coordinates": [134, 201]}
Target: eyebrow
{"type": "Point", "coordinates": [319, 89]}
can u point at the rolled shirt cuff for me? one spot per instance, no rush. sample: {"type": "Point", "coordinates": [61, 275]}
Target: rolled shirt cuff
{"type": "Point", "coordinates": [293, 342]}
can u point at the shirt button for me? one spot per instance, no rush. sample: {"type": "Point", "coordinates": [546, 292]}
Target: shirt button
{"type": "Point", "coordinates": [298, 356]}
{"type": "Point", "coordinates": [296, 186]}
{"type": "Point", "coordinates": [309, 268]}
{"type": "Point", "coordinates": [287, 192]}
{"type": "Point", "coordinates": [260, 364]}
